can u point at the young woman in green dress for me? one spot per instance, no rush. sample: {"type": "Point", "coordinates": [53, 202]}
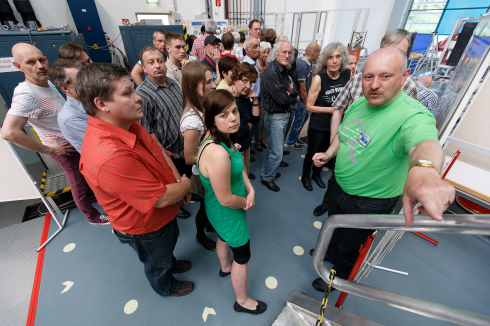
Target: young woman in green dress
{"type": "Point", "coordinates": [226, 186]}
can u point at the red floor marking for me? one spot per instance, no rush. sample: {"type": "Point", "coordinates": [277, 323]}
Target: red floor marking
{"type": "Point", "coordinates": [31, 317]}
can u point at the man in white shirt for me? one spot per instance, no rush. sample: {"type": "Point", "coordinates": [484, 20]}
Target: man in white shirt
{"type": "Point", "coordinates": [38, 102]}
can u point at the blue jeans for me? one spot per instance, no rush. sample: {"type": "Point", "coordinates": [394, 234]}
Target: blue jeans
{"type": "Point", "coordinates": [300, 117]}
{"type": "Point", "coordinates": [290, 122]}
{"type": "Point", "coordinates": [344, 246]}
{"type": "Point", "coordinates": [156, 252]}
{"type": "Point", "coordinates": [275, 124]}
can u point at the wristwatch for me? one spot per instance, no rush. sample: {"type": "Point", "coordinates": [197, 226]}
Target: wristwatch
{"type": "Point", "coordinates": [424, 164]}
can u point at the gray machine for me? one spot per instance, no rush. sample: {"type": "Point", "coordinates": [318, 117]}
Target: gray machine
{"type": "Point", "coordinates": [48, 42]}
{"type": "Point", "coordinates": [135, 37]}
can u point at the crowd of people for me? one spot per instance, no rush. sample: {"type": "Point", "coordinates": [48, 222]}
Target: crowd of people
{"type": "Point", "coordinates": [191, 123]}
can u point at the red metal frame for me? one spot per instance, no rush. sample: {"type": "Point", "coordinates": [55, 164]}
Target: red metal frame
{"type": "Point", "coordinates": [362, 254]}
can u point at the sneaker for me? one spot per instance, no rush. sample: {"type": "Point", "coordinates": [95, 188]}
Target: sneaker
{"type": "Point", "coordinates": [299, 141]}
{"type": "Point", "coordinates": [296, 145]}
{"type": "Point", "coordinates": [102, 220]}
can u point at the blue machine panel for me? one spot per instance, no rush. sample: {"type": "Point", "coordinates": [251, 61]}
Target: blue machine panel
{"type": "Point", "coordinates": [88, 23]}
{"type": "Point", "coordinates": [137, 36]}
{"type": "Point", "coordinates": [47, 42]}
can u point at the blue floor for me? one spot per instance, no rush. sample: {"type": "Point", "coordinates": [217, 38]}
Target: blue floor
{"type": "Point", "coordinates": [106, 275]}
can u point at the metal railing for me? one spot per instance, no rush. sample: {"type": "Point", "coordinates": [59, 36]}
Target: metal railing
{"type": "Point", "coordinates": [464, 224]}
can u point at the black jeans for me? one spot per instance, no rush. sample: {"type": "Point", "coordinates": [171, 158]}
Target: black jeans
{"type": "Point", "coordinates": [344, 246]}
{"type": "Point", "coordinates": [318, 141]}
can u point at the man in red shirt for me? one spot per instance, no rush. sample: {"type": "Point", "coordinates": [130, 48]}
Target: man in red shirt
{"type": "Point", "coordinates": [134, 181]}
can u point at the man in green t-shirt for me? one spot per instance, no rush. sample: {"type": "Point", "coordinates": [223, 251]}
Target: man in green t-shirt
{"type": "Point", "coordinates": [386, 145]}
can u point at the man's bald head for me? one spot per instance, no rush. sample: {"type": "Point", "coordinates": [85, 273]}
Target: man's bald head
{"type": "Point", "coordinates": [383, 76]}
{"type": "Point", "coordinates": [19, 50]}
{"type": "Point", "coordinates": [252, 47]}
{"type": "Point", "coordinates": [389, 53]}
{"type": "Point", "coordinates": [31, 61]}
{"type": "Point", "coordinates": [424, 79]}
{"type": "Point", "coordinates": [312, 52]}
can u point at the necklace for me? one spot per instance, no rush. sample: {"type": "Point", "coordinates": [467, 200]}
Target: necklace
{"type": "Point", "coordinates": [259, 65]}
{"type": "Point", "coordinates": [233, 89]}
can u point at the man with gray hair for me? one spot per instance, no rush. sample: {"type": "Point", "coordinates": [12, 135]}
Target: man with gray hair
{"type": "Point", "coordinates": [198, 48]}
{"type": "Point", "coordinates": [252, 48]}
{"type": "Point", "coordinates": [159, 43]}
{"type": "Point", "coordinates": [378, 162]}
{"type": "Point", "coordinates": [72, 118]}
{"type": "Point", "coordinates": [304, 76]}
{"type": "Point", "coordinates": [278, 93]}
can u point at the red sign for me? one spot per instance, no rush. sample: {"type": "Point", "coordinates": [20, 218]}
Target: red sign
{"type": "Point", "coordinates": [125, 22]}
{"type": "Point", "coordinates": [218, 3]}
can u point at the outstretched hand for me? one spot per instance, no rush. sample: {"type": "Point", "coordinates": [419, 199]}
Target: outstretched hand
{"type": "Point", "coordinates": [424, 185]}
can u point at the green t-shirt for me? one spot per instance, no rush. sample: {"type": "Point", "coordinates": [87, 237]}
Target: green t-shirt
{"type": "Point", "coordinates": [373, 160]}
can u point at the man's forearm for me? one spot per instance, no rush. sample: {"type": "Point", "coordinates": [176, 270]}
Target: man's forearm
{"type": "Point", "coordinates": [175, 193]}
{"type": "Point", "coordinates": [19, 138]}
{"type": "Point", "coordinates": [302, 93]}
{"type": "Point", "coordinates": [335, 123]}
{"type": "Point", "coordinates": [333, 148]}
{"type": "Point", "coordinates": [429, 150]}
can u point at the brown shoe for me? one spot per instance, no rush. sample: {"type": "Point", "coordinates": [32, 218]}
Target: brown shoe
{"type": "Point", "coordinates": [182, 266]}
{"type": "Point", "coordinates": [184, 287]}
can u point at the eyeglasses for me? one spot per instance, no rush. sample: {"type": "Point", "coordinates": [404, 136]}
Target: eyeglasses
{"type": "Point", "coordinates": [286, 53]}
{"type": "Point", "coordinates": [246, 82]}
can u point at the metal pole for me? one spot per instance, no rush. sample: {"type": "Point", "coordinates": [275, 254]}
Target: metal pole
{"type": "Point", "coordinates": [464, 224]}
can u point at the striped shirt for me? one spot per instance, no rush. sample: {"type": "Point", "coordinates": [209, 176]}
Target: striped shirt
{"type": "Point", "coordinates": [427, 97]}
{"type": "Point", "coordinates": [162, 108]}
{"type": "Point", "coordinates": [40, 105]}
{"type": "Point", "coordinates": [353, 90]}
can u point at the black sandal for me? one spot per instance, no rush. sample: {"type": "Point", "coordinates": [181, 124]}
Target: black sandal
{"type": "Point", "coordinates": [207, 243]}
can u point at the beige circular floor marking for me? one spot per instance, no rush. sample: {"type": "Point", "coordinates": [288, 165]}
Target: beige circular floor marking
{"type": "Point", "coordinates": [303, 155]}
{"type": "Point", "coordinates": [271, 282]}
{"type": "Point", "coordinates": [69, 247]}
{"type": "Point", "coordinates": [298, 250]}
{"type": "Point", "coordinates": [130, 307]}
{"type": "Point", "coordinates": [300, 178]}
{"type": "Point", "coordinates": [325, 168]}
{"type": "Point", "coordinates": [317, 224]}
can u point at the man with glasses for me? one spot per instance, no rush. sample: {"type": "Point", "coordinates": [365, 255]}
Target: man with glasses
{"type": "Point", "coordinates": [278, 93]}
{"type": "Point", "coordinates": [162, 108]}
{"type": "Point", "coordinates": [212, 53]}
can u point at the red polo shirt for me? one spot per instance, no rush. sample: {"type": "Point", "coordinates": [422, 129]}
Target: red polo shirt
{"type": "Point", "coordinates": [128, 173]}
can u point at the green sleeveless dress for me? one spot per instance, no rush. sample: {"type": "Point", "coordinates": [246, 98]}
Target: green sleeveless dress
{"type": "Point", "coordinates": [230, 224]}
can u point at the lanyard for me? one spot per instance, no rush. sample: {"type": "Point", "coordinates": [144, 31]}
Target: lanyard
{"type": "Point", "coordinates": [211, 62]}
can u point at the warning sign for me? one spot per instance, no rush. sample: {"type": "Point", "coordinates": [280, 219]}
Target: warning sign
{"type": "Point", "coordinates": [126, 22]}
{"type": "Point", "coordinates": [6, 65]}
{"type": "Point", "coordinates": [218, 3]}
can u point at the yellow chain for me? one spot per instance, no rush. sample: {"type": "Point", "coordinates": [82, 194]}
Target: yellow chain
{"type": "Point", "coordinates": [325, 300]}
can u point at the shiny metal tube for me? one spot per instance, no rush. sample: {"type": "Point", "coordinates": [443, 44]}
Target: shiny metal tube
{"type": "Point", "coordinates": [464, 224]}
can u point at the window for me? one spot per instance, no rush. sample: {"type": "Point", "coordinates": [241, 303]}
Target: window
{"type": "Point", "coordinates": [154, 19]}
{"type": "Point", "coordinates": [428, 16]}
